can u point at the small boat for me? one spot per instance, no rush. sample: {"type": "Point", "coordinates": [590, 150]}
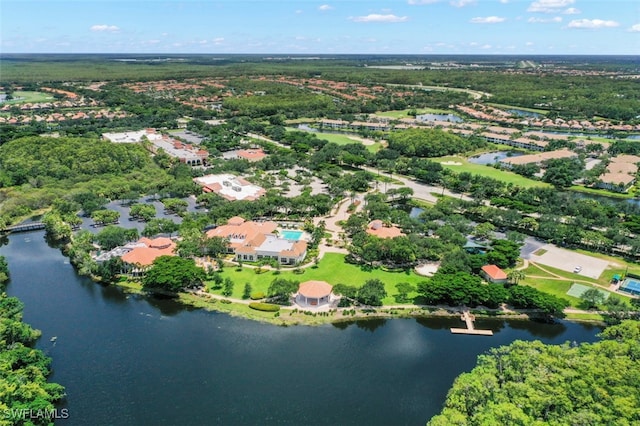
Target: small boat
{"type": "Point", "coordinates": [54, 338]}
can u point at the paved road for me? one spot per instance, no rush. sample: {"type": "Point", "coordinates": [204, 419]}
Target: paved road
{"type": "Point", "coordinates": [421, 191]}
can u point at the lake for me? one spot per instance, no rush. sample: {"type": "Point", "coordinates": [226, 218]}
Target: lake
{"type": "Point", "coordinates": [525, 113]}
{"type": "Point", "coordinates": [129, 360]}
{"type": "Point", "coordinates": [493, 157]}
{"type": "Point", "coordinates": [440, 117]}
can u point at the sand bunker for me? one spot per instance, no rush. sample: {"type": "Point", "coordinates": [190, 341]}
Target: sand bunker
{"type": "Point", "coordinates": [427, 269]}
{"type": "Point", "coordinates": [451, 163]}
{"type": "Point", "coordinates": [362, 140]}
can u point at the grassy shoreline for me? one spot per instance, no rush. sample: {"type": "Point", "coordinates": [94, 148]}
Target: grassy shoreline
{"type": "Point", "coordinates": [291, 316]}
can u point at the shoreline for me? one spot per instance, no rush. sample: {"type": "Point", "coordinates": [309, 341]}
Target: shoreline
{"type": "Point", "coordinates": [295, 316]}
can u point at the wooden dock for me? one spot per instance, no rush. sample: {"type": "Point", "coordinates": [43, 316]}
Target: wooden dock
{"type": "Point", "coordinates": [24, 227]}
{"type": "Point", "coordinates": [468, 318]}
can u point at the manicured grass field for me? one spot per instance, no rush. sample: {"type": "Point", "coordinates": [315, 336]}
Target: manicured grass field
{"type": "Point", "coordinates": [603, 193]}
{"type": "Point", "coordinates": [584, 317]}
{"type": "Point", "coordinates": [404, 113]}
{"type": "Point", "coordinates": [555, 287]}
{"type": "Point", "coordinates": [342, 139]}
{"type": "Point", "coordinates": [24, 97]}
{"type": "Point", "coordinates": [332, 269]}
{"type": "Point", "coordinates": [479, 169]}
{"type": "Point", "coordinates": [537, 111]}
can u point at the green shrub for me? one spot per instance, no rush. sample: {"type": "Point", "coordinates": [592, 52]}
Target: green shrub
{"type": "Point", "coordinates": [257, 295]}
{"type": "Point", "coordinates": [265, 307]}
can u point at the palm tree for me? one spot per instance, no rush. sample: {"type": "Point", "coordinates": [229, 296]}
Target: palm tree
{"type": "Point", "coordinates": [516, 275]}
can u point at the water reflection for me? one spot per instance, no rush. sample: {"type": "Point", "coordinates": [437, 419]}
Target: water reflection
{"type": "Point", "coordinates": [184, 367]}
{"type": "Point", "coordinates": [370, 325]}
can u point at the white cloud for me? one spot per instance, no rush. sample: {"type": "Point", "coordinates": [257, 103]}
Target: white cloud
{"type": "Point", "coordinates": [549, 6]}
{"type": "Point", "coordinates": [529, 43]}
{"type": "Point", "coordinates": [487, 20]}
{"type": "Point", "coordinates": [374, 17]}
{"type": "Point", "coordinates": [635, 28]}
{"type": "Point", "coordinates": [486, 46]}
{"type": "Point", "coordinates": [104, 28]}
{"type": "Point", "coordinates": [544, 21]}
{"type": "Point", "coordinates": [419, 2]}
{"type": "Point", "coordinates": [461, 3]}
{"type": "Point", "coordinates": [218, 41]}
{"type": "Point", "coordinates": [504, 1]}
{"type": "Point", "coordinates": [572, 11]}
{"type": "Point", "coordinates": [325, 7]}
{"type": "Point", "coordinates": [592, 23]}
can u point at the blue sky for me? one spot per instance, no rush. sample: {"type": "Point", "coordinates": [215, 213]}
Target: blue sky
{"type": "Point", "coordinates": [322, 27]}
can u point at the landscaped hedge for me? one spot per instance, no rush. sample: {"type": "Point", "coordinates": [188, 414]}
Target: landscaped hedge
{"type": "Point", "coordinates": [266, 307]}
{"type": "Point", "coordinates": [257, 295]}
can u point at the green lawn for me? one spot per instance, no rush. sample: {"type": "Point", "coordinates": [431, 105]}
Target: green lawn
{"type": "Point", "coordinates": [479, 169]}
{"type": "Point", "coordinates": [503, 106]}
{"type": "Point", "coordinates": [341, 139]}
{"type": "Point", "coordinates": [555, 287]}
{"type": "Point", "coordinates": [602, 192]}
{"type": "Point", "coordinates": [404, 113]}
{"type": "Point", "coordinates": [560, 288]}
{"type": "Point", "coordinates": [332, 269]}
{"type": "Point", "coordinates": [24, 97]}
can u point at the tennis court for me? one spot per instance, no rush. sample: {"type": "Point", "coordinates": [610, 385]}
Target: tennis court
{"type": "Point", "coordinates": [631, 286]}
{"type": "Point", "coordinates": [577, 290]}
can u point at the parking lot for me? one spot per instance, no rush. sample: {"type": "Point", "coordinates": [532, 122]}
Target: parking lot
{"type": "Point", "coordinates": [567, 260]}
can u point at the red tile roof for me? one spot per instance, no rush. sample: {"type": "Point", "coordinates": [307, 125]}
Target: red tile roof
{"type": "Point", "coordinates": [377, 229]}
{"type": "Point", "coordinates": [494, 273]}
{"type": "Point", "coordinates": [315, 289]}
{"type": "Point", "coordinates": [152, 249]}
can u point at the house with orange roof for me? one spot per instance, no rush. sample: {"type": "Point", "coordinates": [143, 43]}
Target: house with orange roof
{"type": "Point", "coordinates": [620, 174]}
{"type": "Point", "coordinates": [493, 274]}
{"type": "Point", "coordinates": [141, 257]}
{"type": "Point", "coordinates": [230, 187]}
{"type": "Point", "coordinates": [252, 241]}
{"type": "Point", "coordinates": [251, 154]}
{"type": "Point", "coordinates": [378, 229]}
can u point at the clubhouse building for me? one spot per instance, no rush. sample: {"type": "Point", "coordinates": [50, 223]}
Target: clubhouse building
{"type": "Point", "coordinates": [252, 241]}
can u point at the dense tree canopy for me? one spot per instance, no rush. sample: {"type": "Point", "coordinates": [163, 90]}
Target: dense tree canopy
{"type": "Point", "coordinates": [529, 383]}
{"type": "Point", "coordinates": [427, 143]}
{"type": "Point", "coordinates": [67, 158]}
{"type": "Point", "coordinates": [23, 369]}
{"type": "Point", "coordinates": [172, 273]}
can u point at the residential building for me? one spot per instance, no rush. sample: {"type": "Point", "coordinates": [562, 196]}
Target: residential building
{"type": "Point", "coordinates": [537, 159]}
{"type": "Point", "coordinates": [230, 187]}
{"type": "Point", "coordinates": [378, 229]}
{"type": "Point", "coordinates": [140, 258]}
{"type": "Point", "coordinates": [621, 173]}
{"type": "Point", "coordinates": [252, 241]}
{"type": "Point", "coordinates": [493, 274]}
{"type": "Point", "coordinates": [252, 154]}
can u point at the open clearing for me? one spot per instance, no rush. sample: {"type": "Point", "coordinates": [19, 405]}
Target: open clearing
{"type": "Point", "coordinates": [460, 164]}
{"type": "Point", "coordinates": [332, 269]}
{"type": "Point", "coordinates": [567, 260]}
{"type": "Point", "coordinates": [344, 139]}
{"type": "Point", "coordinates": [25, 97]}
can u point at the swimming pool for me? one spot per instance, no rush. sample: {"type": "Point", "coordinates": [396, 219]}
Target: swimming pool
{"type": "Point", "coordinates": [631, 286]}
{"type": "Point", "coordinates": [291, 235]}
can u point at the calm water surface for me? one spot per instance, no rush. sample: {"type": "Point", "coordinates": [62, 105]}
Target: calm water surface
{"type": "Point", "coordinates": [131, 360]}
{"type": "Point", "coordinates": [493, 157]}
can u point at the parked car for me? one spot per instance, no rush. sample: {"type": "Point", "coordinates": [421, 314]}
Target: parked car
{"type": "Point", "coordinates": [577, 269]}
